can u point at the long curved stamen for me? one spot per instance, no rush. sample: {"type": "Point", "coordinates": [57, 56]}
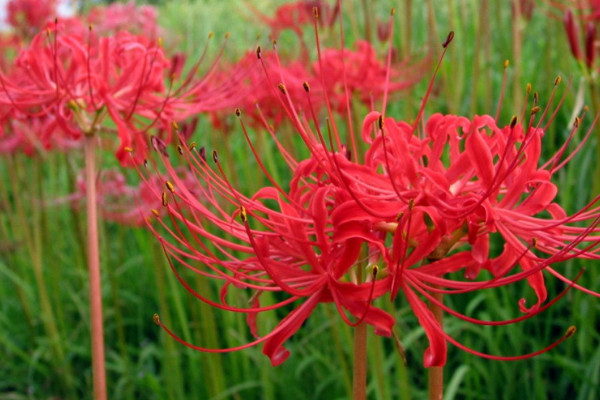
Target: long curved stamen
{"type": "Point", "coordinates": [430, 86]}
{"type": "Point", "coordinates": [569, 332]}
{"type": "Point", "coordinates": [285, 323]}
{"type": "Point", "coordinates": [464, 317]}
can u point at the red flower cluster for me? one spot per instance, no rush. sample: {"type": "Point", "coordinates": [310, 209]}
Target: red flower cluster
{"type": "Point", "coordinates": [67, 81]}
{"type": "Point", "coordinates": [420, 205]}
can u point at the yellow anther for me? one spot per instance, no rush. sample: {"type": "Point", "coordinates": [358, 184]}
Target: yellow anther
{"type": "Point", "coordinates": [165, 201]}
{"type": "Point", "coordinates": [282, 88]}
{"type": "Point", "coordinates": [570, 331]}
{"type": "Point", "coordinates": [128, 149]}
{"type": "Point", "coordinates": [170, 186]}
{"type": "Point", "coordinates": [156, 319]}
{"type": "Point", "coordinates": [156, 213]}
{"type": "Point", "coordinates": [243, 214]}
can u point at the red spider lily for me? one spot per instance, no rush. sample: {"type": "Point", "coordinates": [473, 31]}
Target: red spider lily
{"type": "Point", "coordinates": [64, 77]}
{"type": "Point", "coordinates": [296, 16]}
{"type": "Point", "coordinates": [337, 75]}
{"type": "Point", "coordinates": [120, 17]}
{"type": "Point", "coordinates": [423, 203]}
{"type": "Point", "coordinates": [446, 191]}
{"type": "Point", "coordinates": [287, 248]}
{"type": "Point", "coordinates": [74, 81]}
{"type": "Point", "coordinates": [366, 78]}
{"type": "Point", "coordinates": [255, 88]}
{"type": "Point", "coordinates": [28, 17]}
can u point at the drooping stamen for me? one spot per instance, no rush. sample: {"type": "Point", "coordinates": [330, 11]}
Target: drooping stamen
{"type": "Point", "coordinates": [568, 333]}
{"type": "Point", "coordinates": [415, 284]}
{"type": "Point", "coordinates": [281, 327]}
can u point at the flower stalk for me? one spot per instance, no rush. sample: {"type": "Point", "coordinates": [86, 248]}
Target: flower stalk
{"type": "Point", "coordinates": [359, 385]}
{"type": "Point", "coordinates": [97, 328]}
{"type": "Point", "coordinates": [436, 374]}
